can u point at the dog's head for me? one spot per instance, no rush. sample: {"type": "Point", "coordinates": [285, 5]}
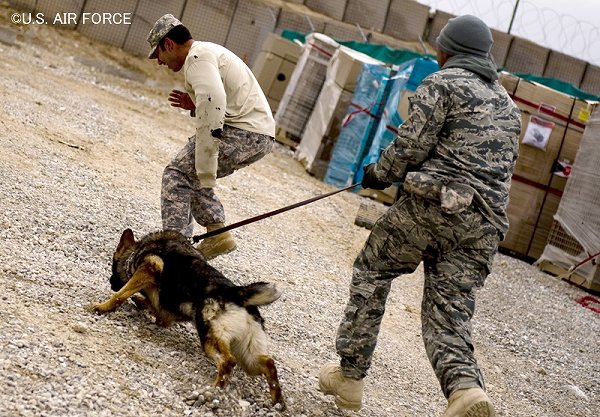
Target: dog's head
{"type": "Point", "coordinates": [125, 248]}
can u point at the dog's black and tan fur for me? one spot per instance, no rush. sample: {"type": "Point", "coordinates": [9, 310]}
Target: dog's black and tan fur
{"type": "Point", "coordinates": [178, 284]}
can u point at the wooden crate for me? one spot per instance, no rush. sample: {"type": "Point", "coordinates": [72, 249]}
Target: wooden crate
{"type": "Point", "coordinates": [573, 278]}
{"type": "Point", "coordinates": [286, 138]}
{"type": "Point", "coordinates": [533, 99]}
{"type": "Point", "coordinates": [564, 242]}
{"type": "Point", "coordinates": [509, 81]}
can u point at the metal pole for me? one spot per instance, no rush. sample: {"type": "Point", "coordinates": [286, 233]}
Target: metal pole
{"type": "Point", "coordinates": [512, 19]}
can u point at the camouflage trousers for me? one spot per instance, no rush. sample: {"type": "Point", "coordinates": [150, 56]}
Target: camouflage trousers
{"type": "Point", "coordinates": [457, 251]}
{"type": "Point", "coordinates": [182, 199]}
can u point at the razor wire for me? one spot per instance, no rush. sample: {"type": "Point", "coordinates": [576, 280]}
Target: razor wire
{"type": "Point", "coordinates": [546, 27]}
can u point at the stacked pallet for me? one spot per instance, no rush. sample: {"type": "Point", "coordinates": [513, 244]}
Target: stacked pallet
{"type": "Point", "coordinates": [303, 89]}
{"type": "Point", "coordinates": [575, 232]}
{"type": "Point", "coordinates": [553, 125]}
{"type": "Point", "coordinates": [325, 122]}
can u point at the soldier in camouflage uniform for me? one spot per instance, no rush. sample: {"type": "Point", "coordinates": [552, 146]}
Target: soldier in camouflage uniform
{"type": "Point", "coordinates": [454, 156]}
{"type": "Point", "coordinates": [234, 128]}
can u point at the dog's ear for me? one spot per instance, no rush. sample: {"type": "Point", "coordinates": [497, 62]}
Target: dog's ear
{"type": "Point", "coordinates": [127, 240]}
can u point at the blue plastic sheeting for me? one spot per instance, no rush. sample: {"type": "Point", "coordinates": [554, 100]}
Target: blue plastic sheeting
{"type": "Point", "coordinates": [408, 78]}
{"type": "Point", "coordinates": [360, 123]}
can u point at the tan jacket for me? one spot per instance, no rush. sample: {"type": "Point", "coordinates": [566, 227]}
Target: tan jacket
{"type": "Point", "coordinates": [225, 92]}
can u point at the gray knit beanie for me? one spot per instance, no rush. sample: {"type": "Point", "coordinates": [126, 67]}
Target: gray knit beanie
{"type": "Point", "coordinates": [465, 35]}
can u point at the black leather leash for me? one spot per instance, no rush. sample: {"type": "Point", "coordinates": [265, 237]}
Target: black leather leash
{"type": "Point", "coordinates": [198, 238]}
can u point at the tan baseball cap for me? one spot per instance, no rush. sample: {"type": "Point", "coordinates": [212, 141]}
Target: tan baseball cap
{"type": "Point", "coordinates": [160, 29]}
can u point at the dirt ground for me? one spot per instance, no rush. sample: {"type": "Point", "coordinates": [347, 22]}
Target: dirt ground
{"type": "Point", "coordinates": [85, 132]}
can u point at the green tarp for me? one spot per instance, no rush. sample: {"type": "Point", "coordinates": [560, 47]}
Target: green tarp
{"type": "Point", "coordinates": [381, 52]}
{"type": "Point", "coordinates": [398, 56]}
{"type": "Point", "coordinates": [561, 86]}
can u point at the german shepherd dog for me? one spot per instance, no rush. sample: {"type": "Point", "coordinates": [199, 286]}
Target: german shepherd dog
{"type": "Point", "coordinates": [178, 284]}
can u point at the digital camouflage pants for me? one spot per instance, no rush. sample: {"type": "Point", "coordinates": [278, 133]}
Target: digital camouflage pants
{"type": "Point", "coordinates": [457, 251]}
{"type": "Point", "coordinates": [182, 199]}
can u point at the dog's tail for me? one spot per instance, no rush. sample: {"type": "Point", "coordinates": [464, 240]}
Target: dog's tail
{"type": "Point", "coordinates": [256, 294]}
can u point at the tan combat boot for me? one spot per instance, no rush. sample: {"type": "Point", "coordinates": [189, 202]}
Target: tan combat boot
{"type": "Point", "coordinates": [471, 402]}
{"type": "Point", "coordinates": [216, 245]}
{"type": "Point", "coordinates": [348, 392]}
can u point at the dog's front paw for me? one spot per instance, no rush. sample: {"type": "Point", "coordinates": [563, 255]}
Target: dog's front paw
{"type": "Point", "coordinates": [100, 308]}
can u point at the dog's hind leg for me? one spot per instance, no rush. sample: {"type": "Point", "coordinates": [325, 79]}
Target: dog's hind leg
{"type": "Point", "coordinates": [268, 369]}
{"type": "Point", "coordinates": [218, 351]}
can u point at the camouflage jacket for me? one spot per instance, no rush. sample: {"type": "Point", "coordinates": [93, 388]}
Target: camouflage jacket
{"type": "Point", "coordinates": [460, 130]}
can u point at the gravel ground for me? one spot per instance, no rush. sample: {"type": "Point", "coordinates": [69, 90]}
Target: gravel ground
{"type": "Point", "coordinates": [83, 145]}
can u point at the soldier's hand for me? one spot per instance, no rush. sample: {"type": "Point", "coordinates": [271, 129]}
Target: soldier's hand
{"type": "Point", "coordinates": [181, 99]}
{"type": "Point", "coordinates": [371, 181]}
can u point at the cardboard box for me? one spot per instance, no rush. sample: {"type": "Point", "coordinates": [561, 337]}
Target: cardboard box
{"type": "Point", "coordinates": [534, 99]}
{"type": "Point", "coordinates": [304, 87]}
{"type": "Point", "coordinates": [575, 231]}
{"type": "Point", "coordinates": [536, 189]}
{"type": "Point", "coordinates": [325, 122]}
{"type": "Point", "coordinates": [523, 211]}
{"type": "Point", "coordinates": [509, 81]}
{"type": "Point", "coordinates": [348, 67]}
{"type": "Point", "coordinates": [274, 67]}
{"type": "Point", "coordinates": [543, 225]}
